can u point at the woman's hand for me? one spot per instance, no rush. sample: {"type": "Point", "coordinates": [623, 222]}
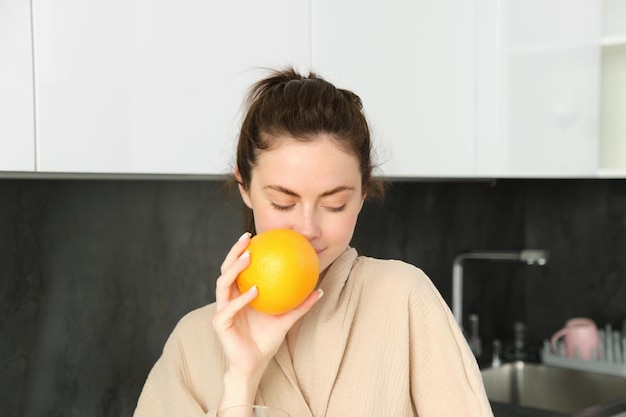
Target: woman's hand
{"type": "Point", "coordinates": [249, 338]}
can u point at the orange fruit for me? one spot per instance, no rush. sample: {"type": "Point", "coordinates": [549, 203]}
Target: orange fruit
{"type": "Point", "coordinates": [283, 266]}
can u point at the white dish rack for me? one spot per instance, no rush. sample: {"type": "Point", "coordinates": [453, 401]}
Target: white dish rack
{"type": "Point", "coordinates": [611, 359]}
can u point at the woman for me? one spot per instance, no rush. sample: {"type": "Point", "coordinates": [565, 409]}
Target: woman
{"type": "Point", "coordinates": [380, 342]}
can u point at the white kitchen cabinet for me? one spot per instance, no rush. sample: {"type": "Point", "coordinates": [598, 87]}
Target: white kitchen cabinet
{"type": "Point", "coordinates": [17, 129]}
{"type": "Point", "coordinates": [145, 87]}
{"type": "Point", "coordinates": [491, 88]}
{"type": "Point", "coordinates": [538, 66]}
{"type": "Point", "coordinates": [470, 89]}
{"type": "Point", "coordinates": [413, 65]}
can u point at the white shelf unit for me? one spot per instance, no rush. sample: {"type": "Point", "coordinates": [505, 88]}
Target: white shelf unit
{"type": "Point", "coordinates": [612, 152]}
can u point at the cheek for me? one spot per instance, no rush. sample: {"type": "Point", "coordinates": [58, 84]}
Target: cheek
{"type": "Point", "coordinates": [342, 227]}
{"type": "Point", "coordinates": [269, 219]}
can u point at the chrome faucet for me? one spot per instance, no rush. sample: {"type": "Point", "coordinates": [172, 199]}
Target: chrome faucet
{"type": "Point", "coordinates": [528, 256]}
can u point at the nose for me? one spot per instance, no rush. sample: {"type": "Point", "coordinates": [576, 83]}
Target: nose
{"type": "Point", "coordinates": [308, 226]}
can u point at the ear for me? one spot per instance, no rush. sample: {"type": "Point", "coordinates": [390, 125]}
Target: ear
{"type": "Point", "coordinates": [245, 194]}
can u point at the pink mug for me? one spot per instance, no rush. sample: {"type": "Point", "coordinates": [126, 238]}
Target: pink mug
{"type": "Point", "coordinates": [580, 339]}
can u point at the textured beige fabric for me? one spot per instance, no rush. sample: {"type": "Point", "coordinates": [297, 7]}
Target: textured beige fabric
{"type": "Point", "coordinates": [381, 342]}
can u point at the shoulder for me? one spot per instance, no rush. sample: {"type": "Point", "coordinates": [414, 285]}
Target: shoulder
{"type": "Point", "coordinates": [195, 322]}
{"type": "Point", "coordinates": [193, 336]}
{"type": "Point", "coordinates": [373, 271]}
{"type": "Point", "coordinates": [395, 279]}
{"type": "Point", "coordinates": [400, 289]}
{"type": "Point", "coordinates": [197, 316]}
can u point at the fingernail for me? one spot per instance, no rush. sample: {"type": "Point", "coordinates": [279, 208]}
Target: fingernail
{"type": "Point", "coordinates": [244, 255]}
{"type": "Point", "coordinates": [253, 288]}
{"type": "Point", "coordinates": [244, 236]}
{"type": "Point", "coordinates": [320, 293]}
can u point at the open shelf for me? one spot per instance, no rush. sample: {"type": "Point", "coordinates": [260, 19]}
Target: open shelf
{"type": "Point", "coordinates": [612, 152]}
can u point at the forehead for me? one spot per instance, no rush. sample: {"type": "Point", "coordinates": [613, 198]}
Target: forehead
{"type": "Point", "coordinates": [320, 159]}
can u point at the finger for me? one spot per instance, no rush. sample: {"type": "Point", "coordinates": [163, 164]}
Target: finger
{"type": "Point", "coordinates": [224, 284]}
{"type": "Point", "coordinates": [226, 317]}
{"type": "Point", "coordinates": [235, 251]}
{"type": "Point", "coordinates": [294, 315]}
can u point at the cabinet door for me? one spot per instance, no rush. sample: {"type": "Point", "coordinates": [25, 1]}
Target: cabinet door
{"type": "Point", "coordinates": [146, 86]}
{"type": "Point", "coordinates": [538, 67]}
{"type": "Point", "coordinates": [412, 64]}
{"type": "Point", "coordinates": [17, 131]}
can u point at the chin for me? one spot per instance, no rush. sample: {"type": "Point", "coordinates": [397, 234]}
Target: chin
{"type": "Point", "coordinates": [326, 259]}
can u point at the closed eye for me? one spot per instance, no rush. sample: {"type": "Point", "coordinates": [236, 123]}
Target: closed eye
{"type": "Point", "coordinates": [336, 209]}
{"type": "Point", "coordinates": [281, 207]}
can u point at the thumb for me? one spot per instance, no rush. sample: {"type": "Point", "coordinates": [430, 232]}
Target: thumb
{"type": "Point", "coordinates": [294, 315]}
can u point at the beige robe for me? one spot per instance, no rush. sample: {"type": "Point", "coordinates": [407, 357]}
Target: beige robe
{"type": "Point", "coordinates": [381, 342]}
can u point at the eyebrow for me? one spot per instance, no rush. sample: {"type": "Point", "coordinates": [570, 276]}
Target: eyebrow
{"type": "Point", "coordinates": [287, 191]}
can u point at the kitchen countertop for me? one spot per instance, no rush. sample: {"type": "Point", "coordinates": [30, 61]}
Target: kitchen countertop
{"type": "Point", "coordinates": [614, 409]}
{"type": "Point", "coordinates": [508, 410]}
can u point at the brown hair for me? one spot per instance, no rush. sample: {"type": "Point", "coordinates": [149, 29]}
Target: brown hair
{"type": "Point", "coordinates": [287, 103]}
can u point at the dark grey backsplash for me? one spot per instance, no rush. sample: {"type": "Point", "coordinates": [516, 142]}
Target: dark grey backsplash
{"type": "Point", "coordinates": [94, 274]}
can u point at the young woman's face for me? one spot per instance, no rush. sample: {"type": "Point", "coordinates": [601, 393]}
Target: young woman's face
{"type": "Point", "coordinates": [313, 188]}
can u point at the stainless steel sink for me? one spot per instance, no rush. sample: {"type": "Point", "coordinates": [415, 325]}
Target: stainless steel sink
{"type": "Point", "coordinates": [550, 388]}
